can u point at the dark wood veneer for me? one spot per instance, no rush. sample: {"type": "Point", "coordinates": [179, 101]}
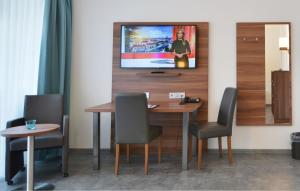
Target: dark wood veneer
{"type": "Point", "coordinates": [194, 82]}
{"type": "Point", "coordinates": [250, 73]}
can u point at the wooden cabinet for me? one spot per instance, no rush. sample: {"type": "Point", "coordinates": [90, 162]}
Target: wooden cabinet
{"type": "Point", "coordinates": [281, 96]}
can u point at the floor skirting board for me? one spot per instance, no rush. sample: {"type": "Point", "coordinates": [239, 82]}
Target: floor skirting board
{"type": "Point", "coordinates": [236, 151]}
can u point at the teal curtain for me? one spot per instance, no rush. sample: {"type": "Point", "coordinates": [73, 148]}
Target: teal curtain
{"type": "Point", "coordinates": [55, 56]}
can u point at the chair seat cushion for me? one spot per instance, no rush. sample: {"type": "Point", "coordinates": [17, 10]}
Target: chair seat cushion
{"type": "Point", "coordinates": [154, 132]}
{"type": "Point", "coordinates": [208, 130]}
{"type": "Point", "coordinates": [53, 139]}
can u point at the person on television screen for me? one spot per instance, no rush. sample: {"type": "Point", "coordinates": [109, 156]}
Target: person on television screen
{"type": "Point", "coordinates": [180, 49]}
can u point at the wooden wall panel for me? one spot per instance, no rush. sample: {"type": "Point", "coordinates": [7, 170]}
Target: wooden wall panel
{"type": "Point", "coordinates": [194, 82]}
{"type": "Point", "coordinates": [251, 73]}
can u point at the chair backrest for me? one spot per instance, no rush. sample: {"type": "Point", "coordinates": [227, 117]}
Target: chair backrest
{"type": "Point", "coordinates": [44, 108]}
{"type": "Point", "coordinates": [227, 107]}
{"type": "Point", "coordinates": [131, 118]}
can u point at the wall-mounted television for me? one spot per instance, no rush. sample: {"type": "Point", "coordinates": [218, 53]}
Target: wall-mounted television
{"type": "Point", "coordinates": [158, 46]}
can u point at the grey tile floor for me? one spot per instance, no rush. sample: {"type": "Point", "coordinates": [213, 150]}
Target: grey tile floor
{"type": "Point", "coordinates": [272, 171]}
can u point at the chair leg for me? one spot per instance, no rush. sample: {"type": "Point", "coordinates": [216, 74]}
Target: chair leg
{"type": "Point", "coordinates": [146, 159]}
{"type": "Point", "coordinates": [206, 146]}
{"type": "Point", "coordinates": [13, 163]}
{"type": "Point", "coordinates": [117, 162]}
{"type": "Point", "coordinates": [127, 153]}
{"type": "Point", "coordinates": [220, 146]}
{"type": "Point", "coordinates": [65, 159]}
{"type": "Point", "coordinates": [159, 149]}
{"type": "Point", "coordinates": [229, 149]}
{"type": "Point", "coordinates": [200, 144]}
{"type": "Point", "coordinates": [190, 150]}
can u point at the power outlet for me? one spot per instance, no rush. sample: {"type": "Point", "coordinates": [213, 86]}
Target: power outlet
{"type": "Point", "coordinates": [176, 95]}
{"type": "Point", "coordinates": [147, 95]}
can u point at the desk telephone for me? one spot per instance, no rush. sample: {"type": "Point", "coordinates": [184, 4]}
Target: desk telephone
{"type": "Point", "coordinates": [189, 100]}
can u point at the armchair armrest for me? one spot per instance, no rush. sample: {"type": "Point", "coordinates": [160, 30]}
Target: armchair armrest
{"type": "Point", "coordinates": [15, 122]}
{"type": "Point", "coordinates": [66, 127]}
{"type": "Point", "coordinates": [65, 150]}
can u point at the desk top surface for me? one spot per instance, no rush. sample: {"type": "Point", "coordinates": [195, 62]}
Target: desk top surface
{"type": "Point", "coordinates": [22, 131]}
{"type": "Point", "coordinates": [164, 107]}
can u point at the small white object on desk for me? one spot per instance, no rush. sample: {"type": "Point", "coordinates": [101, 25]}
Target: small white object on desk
{"type": "Point", "coordinates": [150, 106]}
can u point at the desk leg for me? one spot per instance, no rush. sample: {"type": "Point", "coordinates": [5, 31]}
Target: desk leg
{"type": "Point", "coordinates": [185, 137]}
{"type": "Point", "coordinates": [96, 141]}
{"type": "Point", "coordinates": [194, 140]}
{"type": "Point", "coordinates": [30, 162]}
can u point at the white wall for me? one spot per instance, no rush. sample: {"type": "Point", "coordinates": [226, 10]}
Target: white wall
{"type": "Point", "coordinates": [92, 57]}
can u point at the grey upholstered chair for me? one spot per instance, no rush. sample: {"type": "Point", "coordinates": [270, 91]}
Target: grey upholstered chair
{"type": "Point", "coordinates": [221, 128]}
{"type": "Point", "coordinates": [132, 125]}
{"type": "Point", "coordinates": [45, 109]}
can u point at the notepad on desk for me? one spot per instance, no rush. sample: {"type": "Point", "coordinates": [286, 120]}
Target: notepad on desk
{"type": "Point", "coordinates": [151, 106]}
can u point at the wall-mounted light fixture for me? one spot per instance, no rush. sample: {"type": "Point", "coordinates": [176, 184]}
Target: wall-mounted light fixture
{"type": "Point", "coordinates": [284, 43]}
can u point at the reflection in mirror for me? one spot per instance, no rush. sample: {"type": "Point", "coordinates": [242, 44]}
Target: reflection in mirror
{"type": "Point", "coordinates": [263, 74]}
{"type": "Point", "coordinates": [277, 72]}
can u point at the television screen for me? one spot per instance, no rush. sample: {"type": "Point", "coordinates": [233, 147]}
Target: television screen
{"type": "Point", "coordinates": [162, 46]}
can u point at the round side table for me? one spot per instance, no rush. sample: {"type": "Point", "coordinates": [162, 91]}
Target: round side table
{"type": "Point", "coordinates": [22, 131]}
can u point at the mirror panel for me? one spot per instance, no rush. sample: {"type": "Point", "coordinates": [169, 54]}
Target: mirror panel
{"type": "Point", "coordinates": [264, 74]}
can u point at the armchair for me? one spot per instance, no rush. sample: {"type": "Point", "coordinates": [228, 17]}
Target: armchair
{"type": "Point", "coordinates": [45, 109]}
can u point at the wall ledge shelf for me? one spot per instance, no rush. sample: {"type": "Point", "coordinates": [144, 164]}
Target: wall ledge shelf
{"type": "Point", "coordinates": [158, 74]}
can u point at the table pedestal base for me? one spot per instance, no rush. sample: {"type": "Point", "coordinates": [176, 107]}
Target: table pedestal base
{"type": "Point", "coordinates": [30, 169]}
{"type": "Point", "coordinates": [43, 186]}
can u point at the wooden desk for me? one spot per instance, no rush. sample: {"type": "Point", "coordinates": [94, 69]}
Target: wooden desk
{"type": "Point", "coordinates": [164, 107]}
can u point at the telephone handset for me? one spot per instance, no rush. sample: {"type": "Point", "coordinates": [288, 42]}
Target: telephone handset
{"type": "Point", "coordinates": [189, 100]}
